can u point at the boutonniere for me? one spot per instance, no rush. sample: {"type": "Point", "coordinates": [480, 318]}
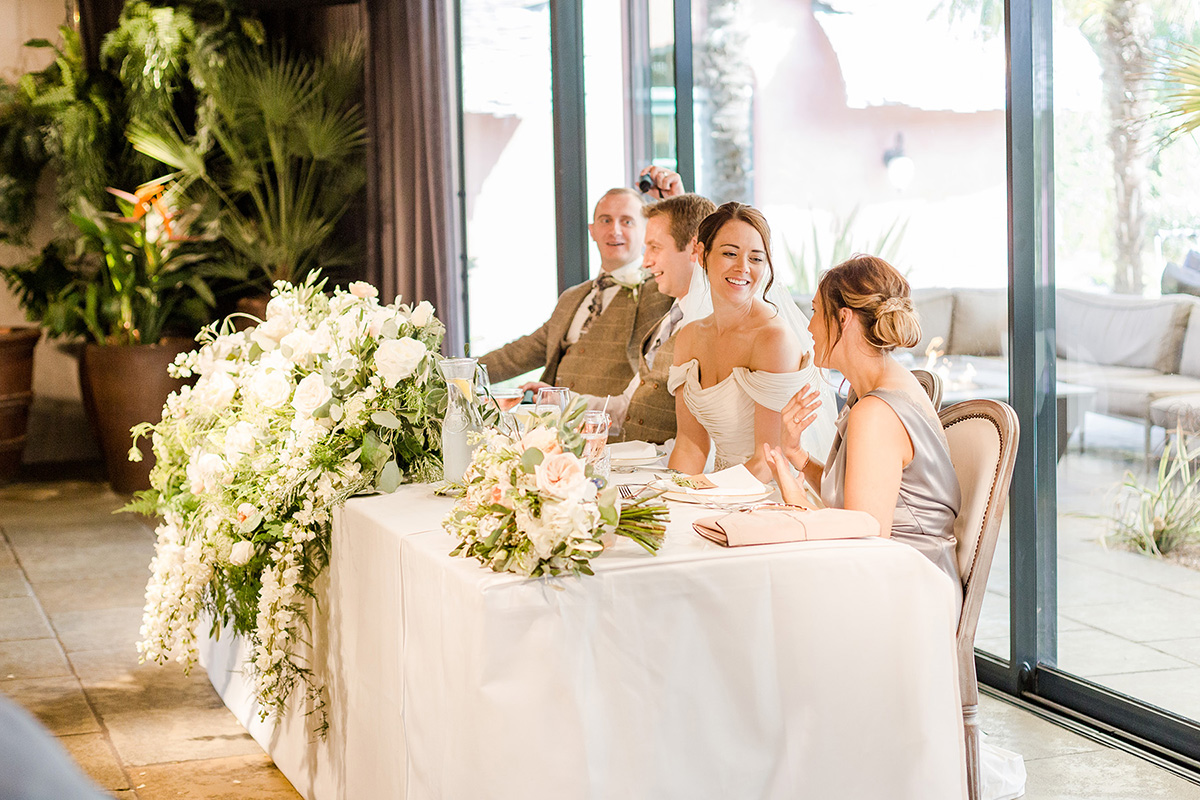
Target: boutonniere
{"type": "Point", "coordinates": [630, 277]}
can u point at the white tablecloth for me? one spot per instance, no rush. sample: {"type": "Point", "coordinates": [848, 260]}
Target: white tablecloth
{"type": "Point", "coordinates": [811, 670]}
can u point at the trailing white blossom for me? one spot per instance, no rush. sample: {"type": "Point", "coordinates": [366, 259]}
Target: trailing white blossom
{"type": "Point", "coordinates": [285, 421]}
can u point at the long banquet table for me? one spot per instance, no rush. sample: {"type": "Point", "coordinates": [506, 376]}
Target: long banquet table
{"type": "Point", "coordinates": [807, 670]}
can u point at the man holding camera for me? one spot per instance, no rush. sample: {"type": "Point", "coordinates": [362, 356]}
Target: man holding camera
{"type": "Point", "coordinates": [592, 342]}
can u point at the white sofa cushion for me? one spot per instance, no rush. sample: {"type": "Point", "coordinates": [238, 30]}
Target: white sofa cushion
{"type": "Point", "coordinates": [935, 308]}
{"type": "Point", "coordinates": [980, 322]}
{"type": "Point", "coordinates": [1121, 330]}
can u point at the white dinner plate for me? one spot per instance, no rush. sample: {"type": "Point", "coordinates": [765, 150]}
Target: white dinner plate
{"type": "Point", "coordinates": [644, 461]}
{"type": "Point", "coordinates": [730, 499]}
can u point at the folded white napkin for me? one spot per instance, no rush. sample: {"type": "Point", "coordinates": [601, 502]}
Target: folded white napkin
{"type": "Point", "coordinates": [731, 482]}
{"type": "Point", "coordinates": [628, 451]}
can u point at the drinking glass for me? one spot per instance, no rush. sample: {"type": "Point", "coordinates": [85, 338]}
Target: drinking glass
{"type": "Point", "coordinates": [552, 398]}
{"type": "Point", "coordinates": [507, 399]}
{"type": "Point", "coordinates": [595, 442]}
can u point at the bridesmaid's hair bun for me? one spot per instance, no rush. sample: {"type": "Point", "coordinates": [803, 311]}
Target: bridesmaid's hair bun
{"type": "Point", "coordinates": [896, 324]}
{"type": "Point", "coordinates": [878, 295]}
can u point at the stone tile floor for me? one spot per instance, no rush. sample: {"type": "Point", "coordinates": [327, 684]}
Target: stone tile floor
{"type": "Point", "coordinates": [71, 580]}
{"type": "Point", "coordinates": [1127, 621]}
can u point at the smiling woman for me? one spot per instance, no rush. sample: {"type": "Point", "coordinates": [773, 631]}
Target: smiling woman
{"type": "Point", "coordinates": [735, 368]}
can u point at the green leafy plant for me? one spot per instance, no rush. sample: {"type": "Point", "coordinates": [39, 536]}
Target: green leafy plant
{"type": "Point", "coordinates": [134, 277]}
{"type": "Point", "coordinates": [279, 149]}
{"type": "Point", "coordinates": [1158, 516]}
{"type": "Point", "coordinates": [827, 246]}
{"type": "Point", "coordinates": [1181, 75]}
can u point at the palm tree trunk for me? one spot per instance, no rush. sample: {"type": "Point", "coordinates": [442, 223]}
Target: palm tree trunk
{"type": "Point", "coordinates": [1125, 63]}
{"type": "Point", "coordinates": [729, 80]}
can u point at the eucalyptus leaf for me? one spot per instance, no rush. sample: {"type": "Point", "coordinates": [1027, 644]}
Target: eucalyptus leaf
{"type": "Point", "coordinates": [385, 419]}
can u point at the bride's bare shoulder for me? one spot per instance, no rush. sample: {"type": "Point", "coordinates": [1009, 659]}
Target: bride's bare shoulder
{"type": "Point", "coordinates": [776, 348]}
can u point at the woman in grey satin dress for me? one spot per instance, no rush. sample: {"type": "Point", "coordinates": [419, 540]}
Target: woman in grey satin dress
{"type": "Point", "coordinates": [889, 455]}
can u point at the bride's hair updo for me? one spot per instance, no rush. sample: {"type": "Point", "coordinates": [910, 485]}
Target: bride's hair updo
{"type": "Point", "coordinates": [728, 212]}
{"type": "Point", "coordinates": [878, 295]}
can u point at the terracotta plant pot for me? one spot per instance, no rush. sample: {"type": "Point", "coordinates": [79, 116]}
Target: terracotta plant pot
{"type": "Point", "coordinates": [123, 386]}
{"type": "Point", "coordinates": [16, 393]}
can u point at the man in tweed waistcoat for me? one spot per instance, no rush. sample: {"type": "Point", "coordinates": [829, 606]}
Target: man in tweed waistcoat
{"type": "Point", "coordinates": [591, 343]}
{"type": "Point", "coordinates": [645, 411]}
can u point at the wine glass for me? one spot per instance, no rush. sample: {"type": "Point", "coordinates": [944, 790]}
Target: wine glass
{"type": "Point", "coordinates": [552, 398]}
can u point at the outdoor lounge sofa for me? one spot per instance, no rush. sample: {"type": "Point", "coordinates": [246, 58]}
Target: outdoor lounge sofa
{"type": "Point", "coordinates": [1141, 356]}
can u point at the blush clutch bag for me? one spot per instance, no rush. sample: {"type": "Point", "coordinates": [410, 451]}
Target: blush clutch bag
{"type": "Point", "coordinates": [777, 524]}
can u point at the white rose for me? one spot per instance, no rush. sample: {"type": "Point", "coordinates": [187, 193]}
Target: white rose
{"type": "Point", "coordinates": [378, 320]}
{"type": "Point", "coordinates": [281, 307]}
{"type": "Point", "coordinates": [363, 290]}
{"type": "Point", "coordinates": [421, 314]}
{"type": "Point", "coordinates": [241, 553]}
{"type": "Point", "coordinates": [205, 472]}
{"type": "Point", "coordinates": [395, 359]}
{"type": "Point", "coordinates": [543, 536]}
{"type": "Point", "coordinates": [239, 440]}
{"type": "Point", "coordinates": [270, 387]}
{"type": "Point", "coordinates": [311, 394]}
{"type": "Point", "coordinates": [281, 319]}
{"type": "Point", "coordinates": [214, 391]}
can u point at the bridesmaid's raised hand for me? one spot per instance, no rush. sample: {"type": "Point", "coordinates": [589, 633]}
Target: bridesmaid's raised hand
{"type": "Point", "coordinates": [789, 485]}
{"type": "Point", "coordinates": [795, 417]}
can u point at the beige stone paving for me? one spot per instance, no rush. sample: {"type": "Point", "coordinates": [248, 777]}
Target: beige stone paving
{"type": "Point", "coordinates": [72, 580]}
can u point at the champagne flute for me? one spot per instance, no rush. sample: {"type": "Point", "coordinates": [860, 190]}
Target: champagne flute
{"type": "Point", "coordinates": [594, 430]}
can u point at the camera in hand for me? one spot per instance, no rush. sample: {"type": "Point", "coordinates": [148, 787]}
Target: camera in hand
{"type": "Point", "coordinates": [645, 184]}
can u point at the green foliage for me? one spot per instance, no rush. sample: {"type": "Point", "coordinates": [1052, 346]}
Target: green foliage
{"type": "Point", "coordinates": [279, 150]}
{"type": "Point", "coordinates": [1180, 74]}
{"type": "Point", "coordinates": [22, 157]}
{"type": "Point", "coordinates": [1155, 518]}
{"type": "Point", "coordinates": [118, 286]}
{"type": "Point", "coordinates": [824, 247]}
{"type": "Point", "coordinates": [148, 272]}
{"type": "Point", "coordinates": [69, 119]}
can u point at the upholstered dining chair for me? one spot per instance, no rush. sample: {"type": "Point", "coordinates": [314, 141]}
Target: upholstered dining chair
{"type": "Point", "coordinates": [982, 435]}
{"type": "Point", "coordinates": [931, 382]}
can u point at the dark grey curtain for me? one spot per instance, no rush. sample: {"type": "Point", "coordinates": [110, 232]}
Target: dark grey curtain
{"type": "Point", "coordinates": [412, 242]}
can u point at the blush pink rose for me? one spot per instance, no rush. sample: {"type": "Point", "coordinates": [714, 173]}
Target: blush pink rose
{"type": "Point", "coordinates": [542, 439]}
{"type": "Point", "coordinates": [560, 475]}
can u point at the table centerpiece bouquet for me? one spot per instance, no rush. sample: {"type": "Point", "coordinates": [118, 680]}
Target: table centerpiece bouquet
{"type": "Point", "coordinates": [531, 505]}
{"type": "Point", "coordinates": [328, 397]}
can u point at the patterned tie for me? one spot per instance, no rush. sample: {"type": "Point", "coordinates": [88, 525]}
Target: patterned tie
{"type": "Point", "coordinates": [664, 333]}
{"type": "Point", "coordinates": [597, 304]}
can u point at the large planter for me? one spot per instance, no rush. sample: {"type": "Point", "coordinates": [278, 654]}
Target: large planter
{"type": "Point", "coordinates": [16, 393]}
{"type": "Point", "coordinates": [123, 386]}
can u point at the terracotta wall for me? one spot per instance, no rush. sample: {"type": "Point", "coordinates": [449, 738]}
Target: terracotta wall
{"type": "Point", "coordinates": [58, 430]}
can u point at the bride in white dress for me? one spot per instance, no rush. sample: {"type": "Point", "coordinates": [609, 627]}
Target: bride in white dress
{"type": "Point", "coordinates": [737, 367]}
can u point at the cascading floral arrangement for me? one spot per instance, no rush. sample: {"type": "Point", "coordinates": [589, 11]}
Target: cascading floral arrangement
{"type": "Point", "coordinates": [531, 505]}
{"type": "Point", "coordinates": [328, 397]}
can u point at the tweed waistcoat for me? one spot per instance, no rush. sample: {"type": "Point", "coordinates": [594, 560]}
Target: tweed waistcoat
{"type": "Point", "coordinates": [598, 363]}
{"type": "Point", "coordinates": [651, 415]}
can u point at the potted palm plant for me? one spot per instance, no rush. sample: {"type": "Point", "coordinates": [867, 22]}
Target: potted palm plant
{"type": "Point", "coordinates": [279, 149]}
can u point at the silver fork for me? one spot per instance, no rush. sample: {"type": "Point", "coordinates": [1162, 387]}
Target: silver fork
{"type": "Point", "coordinates": [628, 491]}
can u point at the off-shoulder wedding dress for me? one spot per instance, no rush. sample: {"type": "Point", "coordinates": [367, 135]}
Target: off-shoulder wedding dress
{"type": "Point", "coordinates": [726, 409]}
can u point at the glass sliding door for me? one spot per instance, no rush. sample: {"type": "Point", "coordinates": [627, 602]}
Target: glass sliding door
{"type": "Point", "coordinates": [508, 175]}
{"type": "Point", "coordinates": [1127, 210]}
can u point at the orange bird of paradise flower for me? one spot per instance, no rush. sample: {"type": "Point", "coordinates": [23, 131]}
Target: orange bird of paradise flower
{"type": "Point", "coordinates": [146, 197]}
